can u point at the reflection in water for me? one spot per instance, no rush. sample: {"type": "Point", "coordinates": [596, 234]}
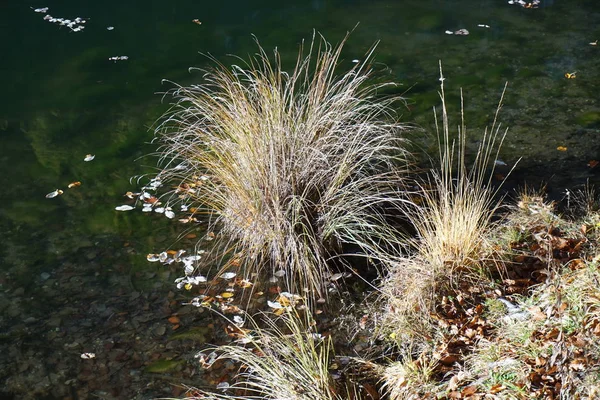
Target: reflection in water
{"type": "Point", "coordinates": [74, 275]}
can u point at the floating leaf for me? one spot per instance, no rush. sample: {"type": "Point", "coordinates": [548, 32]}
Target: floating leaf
{"type": "Point", "coordinates": [197, 21]}
{"type": "Point", "coordinates": [274, 304]}
{"type": "Point", "coordinates": [593, 163]}
{"type": "Point", "coordinates": [152, 257]}
{"type": "Point", "coordinates": [561, 148]}
{"type": "Point", "coordinates": [51, 195]}
{"type": "Point", "coordinates": [570, 75]}
{"type": "Point", "coordinates": [336, 277]}
{"type": "Point", "coordinates": [124, 207]}
{"type": "Point", "coordinates": [131, 195]}
{"type": "Point", "coordinates": [150, 199]}
{"type": "Point", "coordinates": [228, 275]}
{"type": "Point", "coordinates": [280, 273]}
{"type": "Point", "coordinates": [88, 356]}
{"type": "Point", "coordinates": [89, 157]}
{"type": "Point", "coordinates": [174, 319]}
{"type": "Point", "coordinates": [227, 295]}
{"type": "Point", "coordinates": [169, 214]}
{"type": "Point", "coordinates": [74, 184]}
{"type": "Point", "coordinates": [244, 283]}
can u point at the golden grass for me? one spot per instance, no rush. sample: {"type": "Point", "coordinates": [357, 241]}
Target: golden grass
{"type": "Point", "coordinates": [284, 360]}
{"type": "Point", "coordinates": [457, 202]}
{"type": "Point", "coordinates": [289, 168]}
{"type": "Point", "coordinates": [411, 379]}
{"type": "Point", "coordinates": [452, 219]}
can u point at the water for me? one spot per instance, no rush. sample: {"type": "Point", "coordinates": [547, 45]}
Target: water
{"type": "Point", "coordinates": [73, 272]}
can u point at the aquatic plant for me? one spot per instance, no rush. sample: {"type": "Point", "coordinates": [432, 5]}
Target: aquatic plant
{"type": "Point", "coordinates": [287, 168]}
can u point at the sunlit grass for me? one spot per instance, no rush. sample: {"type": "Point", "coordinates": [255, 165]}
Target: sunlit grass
{"type": "Point", "coordinates": [288, 168]}
{"type": "Point", "coordinates": [458, 201]}
{"type": "Point", "coordinates": [411, 379]}
{"type": "Point", "coordinates": [452, 216]}
{"type": "Point", "coordinates": [286, 359]}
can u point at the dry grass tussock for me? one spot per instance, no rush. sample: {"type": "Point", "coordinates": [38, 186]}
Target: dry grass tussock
{"type": "Point", "coordinates": [452, 218]}
{"type": "Point", "coordinates": [284, 360]}
{"type": "Point", "coordinates": [288, 167]}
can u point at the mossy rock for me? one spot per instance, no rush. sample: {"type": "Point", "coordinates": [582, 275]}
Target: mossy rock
{"type": "Point", "coordinates": [162, 366]}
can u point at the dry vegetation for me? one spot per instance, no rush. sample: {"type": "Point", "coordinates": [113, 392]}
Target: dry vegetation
{"type": "Point", "coordinates": [290, 168]}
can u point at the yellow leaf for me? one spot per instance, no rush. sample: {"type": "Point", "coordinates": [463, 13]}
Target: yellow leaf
{"type": "Point", "coordinates": [226, 295]}
{"type": "Point", "coordinates": [561, 148]}
{"type": "Point", "coordinates": [188, 286]}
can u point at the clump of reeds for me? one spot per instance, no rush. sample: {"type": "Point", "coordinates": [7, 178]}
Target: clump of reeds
{"type": "Point", "coordinates": [287, 167]}
{"type": "Point", "coordinates": [452, 216]}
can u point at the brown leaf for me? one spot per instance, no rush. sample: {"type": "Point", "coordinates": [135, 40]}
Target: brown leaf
{"type": "Point", "coordinates": [450, 359]}
{"type": "Point", "coordinates": [497, 388]}
{"type": "Point", "coordinates": [469, 391]}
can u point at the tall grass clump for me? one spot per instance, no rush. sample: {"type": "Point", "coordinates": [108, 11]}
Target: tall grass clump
{"type": "Point", "coordinates": [452, 216]}
{"type": "Point", "coordinates": [283, 360]}
{"type": "Point", "coordinates": [458, 201]}
{"type": "Point", "coordinates": [289, 168]}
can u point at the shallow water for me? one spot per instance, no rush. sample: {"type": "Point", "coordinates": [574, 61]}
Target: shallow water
{"type": "Point", "coordinates": [74, 277]}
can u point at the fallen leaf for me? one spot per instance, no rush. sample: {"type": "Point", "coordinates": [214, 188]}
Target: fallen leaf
{"type": "Point", "coordinates": [561, 148]}
{"type": "Point", "coordinates": [469, 391]}
{"type": "Point", "coordinates": [228, 275]}
{"type": "Point", "coordinates": [593, 163]}
{"type": "Point", "coordinates": [74, 184]}
{"type": "Point", "coordinates": [89, 157]}
{"type": "Point", "coordinates": [174, 319]}
{"type": "Point", "coordinates": [497, 388]}
{"type": "Point", "coordinates": [51, 195]}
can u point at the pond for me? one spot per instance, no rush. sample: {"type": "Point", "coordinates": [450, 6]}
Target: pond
{"type": "Point", "coordinates": [74, 277]}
